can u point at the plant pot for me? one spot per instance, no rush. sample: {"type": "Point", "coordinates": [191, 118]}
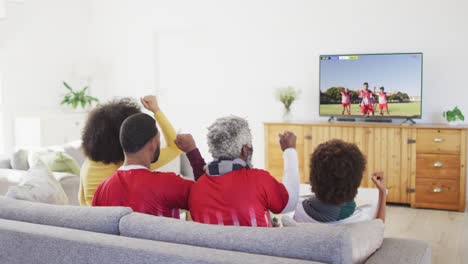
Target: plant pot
{"type": "Point", "coordinates": [455, 123]}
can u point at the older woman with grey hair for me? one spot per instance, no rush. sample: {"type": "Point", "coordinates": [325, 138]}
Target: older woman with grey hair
{"type": "Point", "coordinates": [232, 192]}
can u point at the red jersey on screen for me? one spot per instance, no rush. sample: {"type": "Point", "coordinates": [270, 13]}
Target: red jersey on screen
{"type": "Point", "coordinates": [345, 98]}
{"type": "Point", "coordinates": [382, 97]}
{"type": "Point", "coordinates": [366, 97]}
{"type": "Point", "coordinates": [148, 192]}
{"type": "Point", "coordinates": [242, 197]}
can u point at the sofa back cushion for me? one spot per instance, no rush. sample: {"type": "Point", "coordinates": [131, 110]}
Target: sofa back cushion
{"type": "Point", "coordinates": [30, 243]}
{"type": "Point", "coordinates": [95, 219]}
{"type": "Point", "coordinates": [328, 244]}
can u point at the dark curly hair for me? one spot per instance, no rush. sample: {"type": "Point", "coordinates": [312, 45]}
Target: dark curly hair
{"type": "Point", "coordinates": [336, 170]}
{"type": "Point", "coordinates": [101, 133]}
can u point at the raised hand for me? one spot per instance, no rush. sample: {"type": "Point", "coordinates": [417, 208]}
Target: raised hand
{"type": "Point", "coordinates": [287, 140]}
{"type": "Point", "coordinates": [151, 103]}
{"type": "Point", "coordinates": [185, 142]}
{"type": "Point", "coordinates": [379, 180]}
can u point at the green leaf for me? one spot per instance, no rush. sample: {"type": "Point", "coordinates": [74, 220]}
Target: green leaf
{"type": "Point", "coordinates": [83, 104]}
{"type": "Point", "coordinates": [67, 86]}
{"type": "Point", "coordinates": [74, 104]}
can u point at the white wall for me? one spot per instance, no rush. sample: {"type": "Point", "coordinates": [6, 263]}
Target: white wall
{"type": "Point", "coordinates": [41, 43]}
{"type": "Point", "coordinates": [206, 59]}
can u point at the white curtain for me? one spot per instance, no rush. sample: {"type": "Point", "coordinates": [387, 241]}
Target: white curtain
{"type": "Point", "coordinates": [2, 8]}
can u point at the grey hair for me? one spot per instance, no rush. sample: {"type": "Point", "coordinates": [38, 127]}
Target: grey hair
{"type": "Point", "coordinates": [227, 135]}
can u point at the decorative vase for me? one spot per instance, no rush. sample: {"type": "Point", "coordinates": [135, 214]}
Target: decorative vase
{"type": "Point", "coordinates": [287, 115]}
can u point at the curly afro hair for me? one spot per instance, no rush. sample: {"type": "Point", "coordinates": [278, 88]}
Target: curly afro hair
{"type": "Point", "coordinates": [336, 170]}
{"type": "Point", "coordinates": [101, 132]}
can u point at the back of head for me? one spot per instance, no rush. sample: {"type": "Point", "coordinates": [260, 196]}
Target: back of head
{"type": "Point", "coordinates": [227, 136]}
{"type": "Point", "coordinates": [101, 133]}
{"type": "Point", "coordinates": [136, 131]}
{"type": "Point", "coordinates": [336, 170]}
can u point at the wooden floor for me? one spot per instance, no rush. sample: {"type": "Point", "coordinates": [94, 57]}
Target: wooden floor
{"type": "Point", "coordinates": [446, 231]}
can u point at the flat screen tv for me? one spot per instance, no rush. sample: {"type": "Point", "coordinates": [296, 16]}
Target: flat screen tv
{"type": "Point", "coordinates": [371, 85]}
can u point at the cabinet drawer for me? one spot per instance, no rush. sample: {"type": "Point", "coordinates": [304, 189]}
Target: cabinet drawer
{"type": "Point", "coordinates": [438, 141]}
{"type": "Point", "coordinates": [437, 191]}
{"type": "Point", "coordinates": [438, 166]}
{"type": "Point", "coordinates": [273, 132]}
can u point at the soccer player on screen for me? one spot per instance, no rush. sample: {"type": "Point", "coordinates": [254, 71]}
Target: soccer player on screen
{"type": "Point", "coordinates": [345, 101]}
{"type": "Point", "coordinates": [383, 100]}
{"type": "Point", "coordinates": [367, 105]}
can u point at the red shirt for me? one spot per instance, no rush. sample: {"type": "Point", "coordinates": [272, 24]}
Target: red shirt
{"type": "Point", "coordinates": [155, 193]}
{"type": "Point", "coordinates": [366, 97]}
{"type": "Point", "coordinates": [242, 197]}
{"type": "Point", "coordinates": [345, 97]}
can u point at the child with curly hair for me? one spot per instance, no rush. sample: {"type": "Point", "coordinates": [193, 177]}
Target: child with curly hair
{"type": "Point", "coordinates": [336, 170]}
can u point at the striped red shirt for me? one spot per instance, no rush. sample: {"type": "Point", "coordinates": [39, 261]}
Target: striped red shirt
{"type": "Point", "coordinates": [242, 197]}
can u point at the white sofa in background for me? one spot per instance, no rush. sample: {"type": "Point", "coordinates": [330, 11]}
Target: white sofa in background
{"type": "Point", "coordinates": [70, 183]}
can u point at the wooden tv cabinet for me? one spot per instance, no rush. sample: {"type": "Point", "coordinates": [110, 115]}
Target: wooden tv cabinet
{"type": "Point", "coordinates": [425, 165]}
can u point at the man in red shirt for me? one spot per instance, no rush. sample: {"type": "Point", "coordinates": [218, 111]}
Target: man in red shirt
{"type": "Point", "coordinates": [232, 192]}
{"type": "Point", "coordinates": [134, 185]}
{"type": "Point", "coordinates": [367, 100]}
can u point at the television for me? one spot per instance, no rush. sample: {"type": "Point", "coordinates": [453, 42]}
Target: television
{"type": "Point", "coordinates": [371, 85]}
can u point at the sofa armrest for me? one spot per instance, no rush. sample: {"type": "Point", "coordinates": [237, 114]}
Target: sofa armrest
{"type": "Point", "coordinates": [402, 251]}
{"type": "Point", "coordinates": [5, 162]}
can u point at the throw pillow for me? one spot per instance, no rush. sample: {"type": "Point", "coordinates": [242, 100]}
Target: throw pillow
{"type": "Point", "coordinates": [75, 150]}
{"type": "Point", "coordinates": [55, 161]}
{"type": "Point", "coordinates": [19, 160]}
{"type": "Point", "coordinates": [39, 185]}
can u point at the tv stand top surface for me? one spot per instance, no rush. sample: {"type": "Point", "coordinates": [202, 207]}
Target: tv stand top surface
{"type": "Point", "coordinates": [369, 124]}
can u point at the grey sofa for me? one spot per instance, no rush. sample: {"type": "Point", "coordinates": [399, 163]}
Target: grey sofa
{"type": "Point", "coordinates": [41, 233]}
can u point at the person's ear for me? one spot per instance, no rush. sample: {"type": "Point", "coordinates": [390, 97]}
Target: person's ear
{"type": "Point", "coordinates": [245, 151]}
{"type": "Point", "coordinates": [156, 142]}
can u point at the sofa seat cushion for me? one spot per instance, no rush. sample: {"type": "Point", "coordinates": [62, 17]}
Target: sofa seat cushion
{"type": "Point", "coordinates": [402, 251]}
{"type": "Point", "coordinates": [312, 242]}
{"type": "Point", "coordinates": [95, 219]}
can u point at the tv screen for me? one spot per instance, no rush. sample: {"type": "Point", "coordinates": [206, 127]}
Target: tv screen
{"type": "Point", "coordinates": [371, 85]}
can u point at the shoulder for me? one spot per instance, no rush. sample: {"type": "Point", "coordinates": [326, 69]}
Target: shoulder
{"type": "Point", "coordinates": [260, 174]}
{"type": "Point", "coordinates": [171, 176]}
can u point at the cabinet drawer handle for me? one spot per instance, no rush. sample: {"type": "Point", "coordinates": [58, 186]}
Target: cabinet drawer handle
{"type": "Point", "coordinates": [438, 164]}
{"type": "Point", "coordinates": [437, 190]}
{"type": "Point", "coordinates": [438, 140]}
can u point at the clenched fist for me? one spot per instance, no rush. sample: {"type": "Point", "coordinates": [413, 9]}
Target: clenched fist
{"type": "Point", "coordinates": [185, 142]}
{"type": "Point", "coordinates": [287, 140]}
{"type": "Point", "coordinates": [379, 180]}
{"type": "Point", "coordinates": [151, 103]}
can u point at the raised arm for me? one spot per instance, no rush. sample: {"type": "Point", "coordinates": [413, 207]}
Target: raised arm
{"type": "Point", "coordinates": [291, 169]}
{"type": "Point", "coordinates": [379, 180]}
{"type": "Point", "coordinates": [186, 143]}
{"type": "Point", "coordinates": [171, 151]}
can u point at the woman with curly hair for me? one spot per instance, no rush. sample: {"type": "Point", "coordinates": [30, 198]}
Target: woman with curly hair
{"type": "Point", "coordinates": [336, 170]}
{"type": "Point", "coordinates": [102, 147]}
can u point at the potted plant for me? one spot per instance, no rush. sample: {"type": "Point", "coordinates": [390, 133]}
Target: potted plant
{"type": "Point", "coordinates": [77, 98]}
{"type": "Point", "coordinates": [454, 117]}
{"type": "Point", "coordinates": [287, 96]}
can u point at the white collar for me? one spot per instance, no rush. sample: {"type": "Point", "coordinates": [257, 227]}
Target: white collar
{"type": "Point", "coordinates": [132, 167]}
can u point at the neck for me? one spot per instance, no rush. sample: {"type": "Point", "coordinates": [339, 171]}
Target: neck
{"type": "Point", "coordinates": [136, 160]}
